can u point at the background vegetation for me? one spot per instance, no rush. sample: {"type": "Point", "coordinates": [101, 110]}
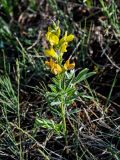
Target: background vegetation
{"type": "Point", "coordinates": [93, 123]}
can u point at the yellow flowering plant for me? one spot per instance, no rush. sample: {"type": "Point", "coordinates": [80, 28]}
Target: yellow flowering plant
{"type": "Point", "coordinates": [58, 46]}
{"type": "Point", "coordinates": [63, 90]}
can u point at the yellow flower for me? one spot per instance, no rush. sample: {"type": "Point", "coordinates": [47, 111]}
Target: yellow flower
{"type": "Point", "coordinates": [49, 64]}
{"type": "Point", "coordinates": [55, 68]}
{"type": "Point", "coordinates": [63, 43]}
{"type": "Point", "coordinates": [66, 38]}
{"type": "Point", "coordinates": [63, 47]}
{"type": "Point", "coordinates": [51, 53]}
{"type": "Point", "coordinates": [68, 65]}
{"type": "Point", "coordinates": [52, 38]}
{"type": "Point", "coordinates": [70, 38]}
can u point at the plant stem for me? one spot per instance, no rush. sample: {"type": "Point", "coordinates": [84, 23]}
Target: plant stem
{"type": "Point", "coordinates": [63, 110]}
{"type": "Point", "coordinates": [19, 125]}
{"type": "Point", "coordinates": [64, 121]}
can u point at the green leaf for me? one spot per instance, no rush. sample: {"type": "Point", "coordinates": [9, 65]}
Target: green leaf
{"type": "Point", "coordinates": [80, 75]}
{"type": "Point", "coordinates": [83, 75]}
{"type": "Point", "coordinates": [49, 124]}
{"type": "Point", "coordinates": [52, 87]}
{"type": "Point", "coordinates": [70, 78]}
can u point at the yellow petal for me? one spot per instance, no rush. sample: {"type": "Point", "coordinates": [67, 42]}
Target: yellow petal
{"type": "Point", "coordinates": [49, 63]}
{"type": "Point", "coordinates": [52, 38]}
{"type": "Point", "coordinates": [66, 38]}
{"type": "Point", "coordinates": [70, 38]}
{"type": "Point", "coordinates": [51, 53]}
{"type": "Point", "coordinates": [56, 69]}
{"type": "Point", "coordinates": [48, 35]}
{"type": "Point", "coordinates": [63, 47]}
{"type": "Point", "coordinates": [68, 65]}
{"type": "Point", "coordinates": [63, 39]}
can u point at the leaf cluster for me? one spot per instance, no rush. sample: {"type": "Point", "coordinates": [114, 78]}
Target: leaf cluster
{"type": "Point", "coordinates": [64, 89]}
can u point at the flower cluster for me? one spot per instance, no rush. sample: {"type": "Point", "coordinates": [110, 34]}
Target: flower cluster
{"type": "Point", "coordinates": [58, 46]}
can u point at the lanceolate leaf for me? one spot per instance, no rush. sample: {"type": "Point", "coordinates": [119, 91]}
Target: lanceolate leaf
{"type": "Point", "coordinates": [83, 75]}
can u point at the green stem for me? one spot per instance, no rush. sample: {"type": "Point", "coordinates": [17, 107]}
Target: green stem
{"type": "Point", "coordinates": [64, 121]}
{"type": "Point", "coordinates": [63, 110]}
{"type": "Point", "coordinates": [19, 125]}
